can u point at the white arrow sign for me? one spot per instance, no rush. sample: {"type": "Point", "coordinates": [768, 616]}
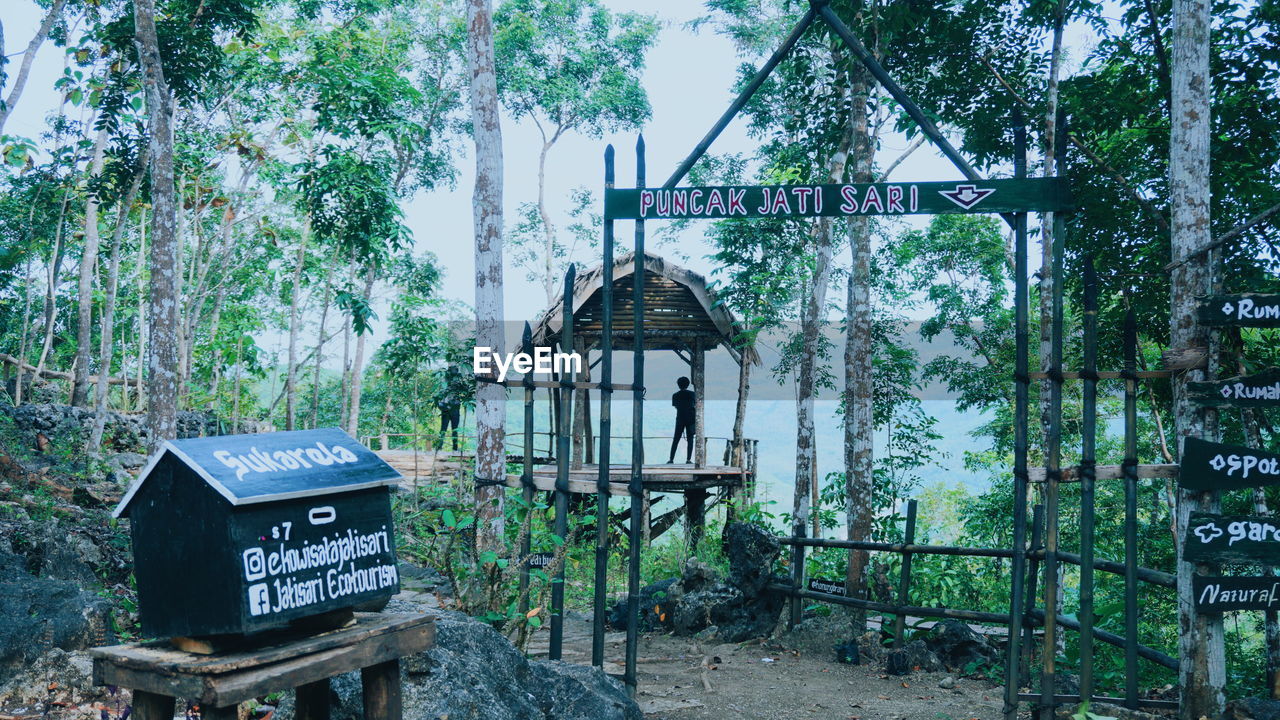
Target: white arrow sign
{"type": "Point", "coordinates": [966, 196]}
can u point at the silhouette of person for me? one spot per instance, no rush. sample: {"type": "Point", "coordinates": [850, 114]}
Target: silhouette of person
{"type": "Point", "coordinates": [682, 401]}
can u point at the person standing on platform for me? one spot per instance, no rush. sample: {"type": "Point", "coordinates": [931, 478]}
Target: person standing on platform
{"type": "Point", "coordinates": [683, 402]}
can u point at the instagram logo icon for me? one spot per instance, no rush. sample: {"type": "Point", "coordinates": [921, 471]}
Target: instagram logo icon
{"type": "Point", "coordinates": [255, 564]}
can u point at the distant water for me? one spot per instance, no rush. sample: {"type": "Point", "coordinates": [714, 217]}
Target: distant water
{"type": "Point", "coordinates": [773, 423]}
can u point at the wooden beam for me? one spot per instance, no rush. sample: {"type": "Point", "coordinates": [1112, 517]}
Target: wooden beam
{"type": "Point", "coordinates": [1110, 472]}
{"type": "Point", "coordinates": [1104, 374]}
{"type": "Point", "coordinates": [55, 374]}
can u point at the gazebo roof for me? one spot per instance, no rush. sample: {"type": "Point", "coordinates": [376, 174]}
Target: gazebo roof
{"type": "Point", "coordinates": [679, 308]}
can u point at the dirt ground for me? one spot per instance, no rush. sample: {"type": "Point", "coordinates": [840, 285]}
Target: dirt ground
{"type": "Point", "coordinates": [791, 677]}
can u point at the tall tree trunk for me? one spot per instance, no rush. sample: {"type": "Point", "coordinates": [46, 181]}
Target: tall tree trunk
{"type": "Point", "coordinates": [550, 283]}
{"type": "Point", "coordinates": [162, 361]}
{"type": "Point", "coordinates": [811, 322]}
{"type": "Point", "coordinates": [88, 263]}
{"type": "Point", "coordinates": [486, 204]}
{"type": "Point", "coordinates": [1200, 636]}
{"type": "Point", "coordinates": [324, 318]}
{"type": "Point", "coordinates": [344, 390]}
{"type": "Point", "coordinates": [107, 346]}
{"type": "Point", "coordinates": [295, 301]}
{"type": "Point", "coordinates": [51, 292]}
{"type": "Point", "coordinates": [357, 367]}
{"type": "Point", "coordinates": [29, 57]}
{"type": "Point", "coordinates": [859, 420]}
{"type": "Point", "coordinates": [144, 320]}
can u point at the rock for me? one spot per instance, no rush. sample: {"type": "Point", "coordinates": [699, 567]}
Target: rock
{"type": "Point", "coordinates": [129, 460]}
{"type": "Point", "coordinates": [948, 683]}
{"type": "Point", "coordinates": [657, 605]}
{"type": "Point", "coordinates": [1252, 709]}
{"type": "Point", "coordinates": [960, 648]}
{"type": "Point", "coordinates": [38, 614]}
{"type": "Point", "coordinates": [697, 576]}
{"type": "Point", "coordinates": [915, 655]}
{"type": "Point", "coordinates": [871, 645]}
{"type": "Point", "coordinates": [847, 653]}
{"type": "Point", "coordinates": [752, 552]}
{"type": "Point", "coordinates": [474, 673]}
{"type": "Point", "coordinates": [701, 608]}
{"type": "Point", "coordinates": [57, 679]}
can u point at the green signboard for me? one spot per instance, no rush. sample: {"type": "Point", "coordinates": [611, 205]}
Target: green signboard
{"type": "Point", "coordinates": [1214, 466]}
{"type": "Point", "coordinates": [1232, 538]}
{"type": "Point", "coordinates": [1248, 310]}
{"type": "Point", "coordinates": [1261, 390]}
{"type": "Point", "coordinates": [793, 201]}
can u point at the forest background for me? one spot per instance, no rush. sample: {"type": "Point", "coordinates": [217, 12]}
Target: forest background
{"type": "Point", "coordinates": [323, 241]}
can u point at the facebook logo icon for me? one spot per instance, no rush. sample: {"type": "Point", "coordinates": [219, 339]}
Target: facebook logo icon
{"type": "Point", "coordinates": [259, 599]}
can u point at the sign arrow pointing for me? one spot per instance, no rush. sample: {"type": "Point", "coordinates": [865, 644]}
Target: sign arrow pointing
{"type": "Point", "coordinates": [966, 196]}
{"type": "Point", "coordinates": [1228, 309]}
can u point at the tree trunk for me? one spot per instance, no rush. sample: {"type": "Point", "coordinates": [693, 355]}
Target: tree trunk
{"type": "Point", "coordinates": [29, 57]}
{"type": "Point", "coordinates": [162, 360]}
{"type": "Point", "coordinates": [357, 367]}
{"type": "Point", "coordinates": [345, 387]}
{"type": "Point", "coordinates": [51, 292]}
{"type": "Point", "coordinates": [107, 346]}
{"type": "Point", "coordinates": [487, 213]}
{"type": "Point", "coordinates": [291, 382]}
{"type": "Point", "coordinates": [324, 319]}
{"type": "Point", "coordinates": [1200, 637]}
{"type": "Point", "coordinates": [144, 320]}
{"type": "Point", "coordinates": [859, 420]}
{"type": "Point", "coordinates": [550, 283]}
{"type": "Point", "coordinates": [88, 263]}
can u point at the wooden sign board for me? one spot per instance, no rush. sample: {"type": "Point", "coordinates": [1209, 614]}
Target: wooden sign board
{"type": "Point", "coordinates": [823, 585]}
{"type": "Point", "coordinates": [238, 534]}
{"type": "Point", "coordinates": [1220, 594]}
{"type": "Point", "coordinates": [1261, 390]}
{"type": "Point", "coordinates": [794, 201]}
{"type": "Point", "coordinates": [1215, 466]}
{"type": "Point", "coordinates": [1248, 310]}
{"type": "Point", "coordinates": [541, 560]}
{"type": "Point", "coordinates": [1232, 538]}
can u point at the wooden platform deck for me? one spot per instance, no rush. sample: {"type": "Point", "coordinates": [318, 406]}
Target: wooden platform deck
{"type": "Point", "coordinates": [430, 466]}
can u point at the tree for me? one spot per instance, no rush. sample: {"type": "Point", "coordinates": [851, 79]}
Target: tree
{"type": "Point", "coordinates": [162, 364]}
{"type": "Point", "coordinates": [486, 204]}
{"type": "Point", "coordinates": [1200, 637]}
{"type": "Point", "coordinates": [569, 66]}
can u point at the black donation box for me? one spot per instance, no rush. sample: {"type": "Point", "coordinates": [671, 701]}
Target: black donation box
{"type": "Point", "coordinates": [241, 533]}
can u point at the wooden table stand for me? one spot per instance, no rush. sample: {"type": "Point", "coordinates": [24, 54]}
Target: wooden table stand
{"type": "Point", "coordinates": [157, 673]}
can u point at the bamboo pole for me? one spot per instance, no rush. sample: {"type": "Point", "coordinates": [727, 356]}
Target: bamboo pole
{"type": "Point", "coordinates": [904, 580]}
{"type": "Point", "coordinates": [636, 486]}
{"type": "Point", "coordinates": [1131, 512]}
{"type": "Point", "coordinates": [1088, 459]}
{"type": "Point", "coordinates": [1021, 401]}
{"type": "Point", "coordinates": [606, 430]}
{"type": "Point", "coordinates": [562, 476]}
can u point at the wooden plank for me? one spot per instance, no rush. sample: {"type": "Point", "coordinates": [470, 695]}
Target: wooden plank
{"type": "Point", "coordinates": [1217, 466]}
{"type": "Point", "coordinates": [1104, 375]}
{"type": "Point", "coordinates": [1246, 310]}
{"type": "Point", "coordinates": [1261, 390]}
{"type": "Point", "coordinates": [381, 686]}
{"type": "Point", "coordinates": [791, 201]}
{"type": "Point", "coordinates": [1220, 594]}
{"type": "Point", "coordinates": [1232, 538]}
{"type": "Point", "coordinates": [311, 701]}
{"type": "Point", "coordinates": [1109, 472]}
{"type": "Point", "coordinates": [150, 706]}
{"type": "Point", "coordinates": [240, 686]}
{"type": "Point", "coordinates": [158, 657]}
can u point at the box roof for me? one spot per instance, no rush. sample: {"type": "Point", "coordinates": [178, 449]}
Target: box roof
{"type": "Point", "coordinates": [265, 467]}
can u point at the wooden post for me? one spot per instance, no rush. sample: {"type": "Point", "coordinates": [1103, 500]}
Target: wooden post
{"type": "Point", "coordinates": [312, 701]}
{"type": "Point", "coordinates": [149, 706]}
{"type": "Point", "coordinates": [904, 580]}
{"type": "Point", "coordinates": [579, 402]}
{"type": "Point", "coordinates": [797, 580]}
{"type": "Point", "coordinates": [381, 684]}
{"type": "Point", "coordinates": [695, 504]}
{"type": "Point", "coordinates": [698, 368]}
